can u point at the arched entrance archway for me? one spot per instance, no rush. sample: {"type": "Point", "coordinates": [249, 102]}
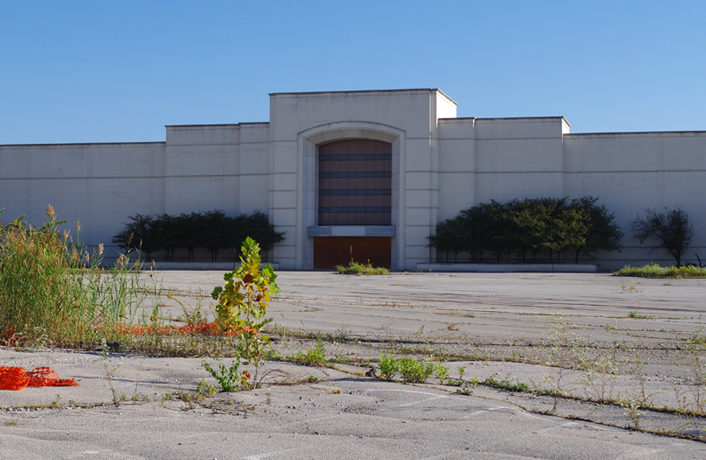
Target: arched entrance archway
{"type": "Point", "coordinates": [309, 228]}
{"type": "Point", "coordinates": [354, 189]}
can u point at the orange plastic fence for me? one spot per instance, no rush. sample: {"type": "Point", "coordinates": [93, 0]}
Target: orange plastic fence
{"type": "Point", "coordinates": [16, 378]}
{"type": "Point", "coordinates": [189, 329]}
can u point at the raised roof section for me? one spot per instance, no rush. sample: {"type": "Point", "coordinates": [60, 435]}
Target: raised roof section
{"type": "Point", "coordinates": [409, 90]}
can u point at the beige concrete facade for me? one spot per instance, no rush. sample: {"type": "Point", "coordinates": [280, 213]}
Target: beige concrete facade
{"type": "Point", "coordinates": [440, 165]}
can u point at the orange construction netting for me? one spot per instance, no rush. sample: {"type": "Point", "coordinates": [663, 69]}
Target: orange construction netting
{"type": "Point", "coordinates": [16, 378]}
{"type": "Point", "coordinates": [190, 329]}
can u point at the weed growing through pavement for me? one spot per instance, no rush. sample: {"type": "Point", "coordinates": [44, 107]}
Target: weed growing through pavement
{"type": "Point", "coordinates": [413, 370]}
{"type": "Point", "coordinates": [410, 369]}
{"type": "Point", "coordinates": [110, 373]}
{"type": "Point", "coordinates": [206, 389]}
{"type": "Point", "coordinates": [388, 366]}
{"type": "Point", "coordinates": [631, 407]}
{"type": "Point", "coordinates": [565, 351]}
{"type": "Point", "coordinates": [696, 364]}
{"type": "Point", "coordinates": [441, 372]}
{"type": "Point", "coordinates": [600, 373]}
{"type": "Point", "coordinates": [506, 384]}
{"type": "Point", "coordinates": [228, 377]}
{"type": "Point", "coordinates": [314, 356]}
{"type": "Point", "coordinates": [241, 309]}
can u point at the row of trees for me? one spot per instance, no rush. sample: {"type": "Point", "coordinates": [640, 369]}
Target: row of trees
{"type": "Point", "coordinates": [212, 230]}
{"type": "Point", "coordinates": [528, 230]}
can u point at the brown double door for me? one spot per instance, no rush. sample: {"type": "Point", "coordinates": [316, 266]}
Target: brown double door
{"type": "Point", "coordinates": [330, 251]}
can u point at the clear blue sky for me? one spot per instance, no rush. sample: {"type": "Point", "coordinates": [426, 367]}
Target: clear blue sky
{"type": "Point", "coordinates": [94, 71]}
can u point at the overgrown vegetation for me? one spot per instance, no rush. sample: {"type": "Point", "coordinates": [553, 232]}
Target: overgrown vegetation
{"type": "Point", "coordinates": [670, 229]}
{"type": "Point", "coordinates": [657, 271]}
{"type": "Point", "coordinates": [159, 236]}
{"type": "Point", "coordinates": [528, 230]}
{"type": "Point", "coordinates": [357, 268]}
{"type": "Point", "coordinates": [54, 292]}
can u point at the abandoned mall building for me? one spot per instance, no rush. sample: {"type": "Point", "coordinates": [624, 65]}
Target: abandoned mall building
{"type": "Point", "coordinates": [366, 173]}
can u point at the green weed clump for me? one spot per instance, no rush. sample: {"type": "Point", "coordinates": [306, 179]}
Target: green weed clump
{"type": "Point", "coordinates": [415, 371]}
{"type": "Point", "coordinates": [506, 384]}
{"type": "Point", "coordinates": [357, 268]}
{"type": "Point", "coordinates": [53, 291]}
{"type": "Point", "coordinates": [315, 356]}
{"type": "Point", "coordinates": [411, 370]}
{"type": "Point", "coordinates": [657, 271]}
{"type": "Point", "coordinates": [228, 377]}
{"type": "Point", "coordinates": [388, 366]}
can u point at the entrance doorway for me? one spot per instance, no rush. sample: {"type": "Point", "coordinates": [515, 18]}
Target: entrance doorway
{"type": "Point", "coordinates": [330, 251]}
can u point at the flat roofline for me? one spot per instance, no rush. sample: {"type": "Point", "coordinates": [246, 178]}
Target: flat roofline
{"type": "Point", "coordinates": [81, 143]}
{"type": "Point", "coordinates": [558, 117]}
{"type": "Point", "coordinates": [551, 117]}
{"type": "Point", "coordinates": [623, 133]}
{"type": "Point", "coordinates": [219, 125]}
{"type": "Point", "coordinates": [359, 91]}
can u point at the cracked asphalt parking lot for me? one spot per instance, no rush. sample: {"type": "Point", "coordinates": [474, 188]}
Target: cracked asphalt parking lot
{"type": "Point", "coordinates": [489, 324]}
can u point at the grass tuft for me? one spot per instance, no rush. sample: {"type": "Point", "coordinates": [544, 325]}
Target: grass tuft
{"type": "Point", "coordinates": [357, 268]}
{"type": "Point", "coordinates": [657, 271]}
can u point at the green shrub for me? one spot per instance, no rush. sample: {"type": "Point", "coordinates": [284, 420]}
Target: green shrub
{"type": "Point", "coordinates": [527, 229]}
{"type": "Point", "coordinates": [356, 268]}
{"type": "Point", "coordinates": [212, 230]}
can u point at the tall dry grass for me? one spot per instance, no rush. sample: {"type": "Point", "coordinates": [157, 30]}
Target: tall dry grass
{"type": "Point", "coordinates": [53, 291]}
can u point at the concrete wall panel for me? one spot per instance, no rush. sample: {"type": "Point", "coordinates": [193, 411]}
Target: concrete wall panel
{"type": "Point", "coordinates": [254, 158]}
{"type": "Point", "coordinates": [419, 180]}
{"type": "Point", "coordinates": [418, 216]}
{"type": "Point", "coordinates": [456, 192]}
{"type": "Point", "coordinates": [216, 160]}
{"type": "Point", "coordinates": [252, 193]}
{"type": "Point", "coordinates": [203, 134]}
{"type": "Point", "coordinates": [519, 155]}
{"type": "Point", "coordinates": [293, 113]}
{"type": "Point", "coordinates": [457, 128]}
{"type": "Point", "coordinates": [418, 198]}
{"type": "Point", "coordinates": [616, 152]}
{"type": "Point", "coordinates": [518, 128]}
{"type": "Point", "coordinates": [284, 181]}
{"type": "Point", "coordinates": [457, 155]}
{"type": "Point", "coordinates": [508, 186]}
